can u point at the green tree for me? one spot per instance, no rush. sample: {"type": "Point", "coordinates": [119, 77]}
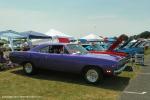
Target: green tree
{"type": "Point", "coordinates": [145, 35]}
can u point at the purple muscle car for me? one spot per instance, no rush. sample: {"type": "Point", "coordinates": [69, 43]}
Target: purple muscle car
{"type": "Point", "coordinates": [69, 58]}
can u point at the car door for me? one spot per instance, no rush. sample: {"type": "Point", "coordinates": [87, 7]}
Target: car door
{"type": "Point", "coordinates": [70, 63]}
{"type": "Point", "coordinates": [59, 61]}
{"type": "Point", "coordinates": [39, 57]}
{"type": "Point", "coordinates": [55, 58]}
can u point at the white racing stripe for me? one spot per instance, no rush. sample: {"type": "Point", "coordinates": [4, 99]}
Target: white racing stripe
{"type": "Point", "coordinates": [130, 92]}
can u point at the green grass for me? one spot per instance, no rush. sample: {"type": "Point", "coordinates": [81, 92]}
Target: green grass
{"type": "Point", "coordinates": [133, 74]}
{"type": "Point", "coordinates": [60, 86]}
{"type": "Point", "coordinates": [147, 52]}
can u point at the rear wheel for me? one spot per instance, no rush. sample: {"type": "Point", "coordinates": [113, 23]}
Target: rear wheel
{"type": "Point", "coordinates": [29, 68]}
{"type": "Point", "coordinates": [93, 75]}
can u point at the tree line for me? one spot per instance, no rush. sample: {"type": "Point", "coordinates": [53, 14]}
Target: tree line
{"type": "Point", "coordinates": [145, 34]}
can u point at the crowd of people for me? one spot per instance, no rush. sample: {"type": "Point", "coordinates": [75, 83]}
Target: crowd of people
{"type": "Point", "coordinates": [4, 53]}
{"type": "Point", "coordinates": [4, 58]}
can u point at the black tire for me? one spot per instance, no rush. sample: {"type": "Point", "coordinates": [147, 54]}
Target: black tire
{"type": "Point", "coordinates": [29, 68]}
{"type": "Point", "coordinates": [97, 76]}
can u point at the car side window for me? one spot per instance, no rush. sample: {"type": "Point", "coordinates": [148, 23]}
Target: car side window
{"type": "Point", "coordinates": [44, 50]}
{"type": "Point", "coordinates": [65, 51]}
{"type": "Point", "coordinates": [57, 49]}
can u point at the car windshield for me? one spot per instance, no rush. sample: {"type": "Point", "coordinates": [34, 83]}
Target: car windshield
{"type": "Point", "coordinates": [88, 47]}
{"type": "Point", "coordinates": [76, 49]}
{"type": "Point", "coordinates": [95, 47]}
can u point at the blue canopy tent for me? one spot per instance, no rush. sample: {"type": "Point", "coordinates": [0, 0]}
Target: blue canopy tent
{"type": "Point", "coordinates": [10, 35]}
{"type": "Point", "coordinates": [82, 40]}
{"type": "Point", "coordinates": [34, 35]}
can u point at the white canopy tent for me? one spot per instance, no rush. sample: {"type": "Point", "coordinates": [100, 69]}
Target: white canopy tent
{"type": "Point", "coordinates": [54, 34]}
{"type": "Point", "coordinates": [93, 37]}
{"type": "Point", "coordinates": [57, 34]}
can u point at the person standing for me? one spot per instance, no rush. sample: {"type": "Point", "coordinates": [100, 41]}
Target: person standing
{"type": "Point", "coordinates": [2, 60]}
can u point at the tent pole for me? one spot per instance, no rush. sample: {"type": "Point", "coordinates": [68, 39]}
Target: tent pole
{"type": "Point", "coordinates": [28, 41]}
{"type": "Point", "coordinates": [11, 43]}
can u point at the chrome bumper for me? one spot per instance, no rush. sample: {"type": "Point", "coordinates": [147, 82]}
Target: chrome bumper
{"type": "Point", "coordinates": [120, 70]}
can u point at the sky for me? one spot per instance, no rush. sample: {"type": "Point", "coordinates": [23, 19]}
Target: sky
{"type": "Point", "coordinates": [77, 18]}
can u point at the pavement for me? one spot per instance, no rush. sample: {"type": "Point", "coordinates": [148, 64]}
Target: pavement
{"type": "Point", "coordinates": [139, 88]}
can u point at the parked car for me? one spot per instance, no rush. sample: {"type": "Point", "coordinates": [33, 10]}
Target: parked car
{"type": "Point", "coordinates": [132, 48]}
{"type": "Point", "coordinates": [98, 49]}
{"type": "Point", "coordinates": [69, 58]}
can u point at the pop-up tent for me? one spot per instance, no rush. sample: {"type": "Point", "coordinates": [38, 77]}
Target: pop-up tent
{"type": "Point", "coordinates": [34, 35]}
{"type": "Point", "coordinates": [59, 36]}
{"type": "Point", "coordinates": [109, 39]}
{"type": "Point", "coordinates": [55, 33]}
{"type": "Point", "coordinates": [93, 38]}
{"type": "Point", "coordinates": [10, 36]}
{"type": "Point", "coordinates": [39, 37]}
{"type": "Point", "coordinates": [82, 40]}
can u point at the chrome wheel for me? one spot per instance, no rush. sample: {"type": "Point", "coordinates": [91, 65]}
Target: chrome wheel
{"type": "Point", "coordinates": [92, 75]}
{"type": "Point", "coordinates": [28, 68]}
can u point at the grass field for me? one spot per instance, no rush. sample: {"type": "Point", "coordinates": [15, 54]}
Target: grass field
{"type": "Point", "coordinates": [60, 86]}
{"type": "Point", "coordinates": [147, 52]}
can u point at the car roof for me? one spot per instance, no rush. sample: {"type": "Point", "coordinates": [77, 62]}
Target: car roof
{"type": "Point", "coordinates": [57, 44]}
{"type": "Point", "coordinates": [85, 44]}
{"type": "Point", "coordinates": [47, 44]}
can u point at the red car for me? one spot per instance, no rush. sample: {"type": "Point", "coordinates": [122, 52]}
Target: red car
{"type": "Point", "coordinates": [96, 48]}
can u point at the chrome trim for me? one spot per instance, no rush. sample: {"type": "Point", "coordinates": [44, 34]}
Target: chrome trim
{"type": "Point", "coordinates": [120, 70]}
{"type": "Point", "coordinates": [92, 75]}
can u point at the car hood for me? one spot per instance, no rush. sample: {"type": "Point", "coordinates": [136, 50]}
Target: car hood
{"type": "Point", "coordinates": [104, 56]}
{"type": "Point", "coordinates": [110, 53]}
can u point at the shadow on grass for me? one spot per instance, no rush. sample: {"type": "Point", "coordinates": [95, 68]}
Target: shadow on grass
{"type": "Point", "coordinates": [128, 69]}
{"type": "Point", "coordinates": [145, 65]}
{"type": "Point", "coordinates": [113, 83]}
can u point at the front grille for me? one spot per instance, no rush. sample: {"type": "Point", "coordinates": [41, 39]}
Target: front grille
{"type": "Point", "coordinates": [121, 63]}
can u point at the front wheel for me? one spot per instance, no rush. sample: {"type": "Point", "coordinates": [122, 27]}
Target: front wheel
{"type": "Point", "coordinates": [93, 75]}
{"type": "Point", "coordinates": [29, 68]}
